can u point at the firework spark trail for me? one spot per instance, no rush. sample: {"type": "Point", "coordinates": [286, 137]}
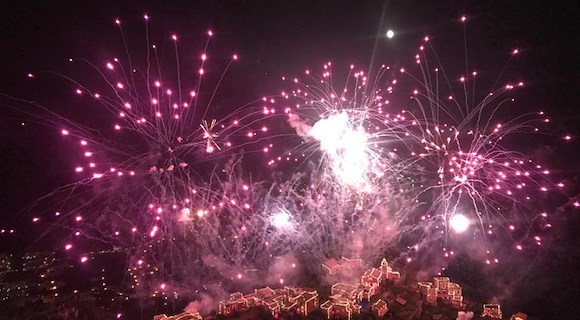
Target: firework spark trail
{"type": "Point", "coordinates": [456, 156]}
{"type": "Point", "coordinates": [371, 169]}
{"type": "Point", "coordinates": [349, 126]}
{"type": "Point", "coordinates": [327, 219]}
{"type": "Point", "coordinates": [162, 183]}
{"type": "Point", "coordinates": [472, 169]}
{"type": "Point", "coordinates": [353, 197]}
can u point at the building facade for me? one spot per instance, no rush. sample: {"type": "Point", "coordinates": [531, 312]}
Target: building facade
{"type": "Point", "coordinates": [287, 299]}
{"type": "Point", "coordinates": [492, 310]}
{"type": "Point", "coordinates": [345, 298]}
{"type": "Point", "coordinates": [380, 308]}
{"type": "Point", "coordinates": [181, 316]}
{"type": "Point", "coordinates": [441, 288]}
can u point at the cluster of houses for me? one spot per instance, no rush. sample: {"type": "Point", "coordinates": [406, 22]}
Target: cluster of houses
{"type": "Point", "coordinates": [182, 316]}
{"type": "Point", "coordinates": [441, 288]}
{"type": "Point", "coordinates": [345, 266]}
{"type": "Point", "coordinates": [345, 298]}
{"type": "Point", "coordinates": [287, 299]}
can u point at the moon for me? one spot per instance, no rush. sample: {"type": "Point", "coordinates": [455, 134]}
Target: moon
{"type": "Point", "coordinates": [390, 34]}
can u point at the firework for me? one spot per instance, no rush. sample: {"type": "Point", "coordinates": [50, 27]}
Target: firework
{"type": "Point", "coordinates": [374, 161]}
{"type": "Point", "coordinates": [351, 197]}
{"type": "Point", "coordinates": [448, 159]}
{"type": "Point", "coordinates": [472, 172]}
{"type": "Point", "coordinates": [160, 181]}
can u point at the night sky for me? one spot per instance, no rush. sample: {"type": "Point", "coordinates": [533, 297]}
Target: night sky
{"type": "Point", "coordinates": [276, 38]}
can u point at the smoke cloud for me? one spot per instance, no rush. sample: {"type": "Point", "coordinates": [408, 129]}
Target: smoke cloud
{"type": "Point", "coordinates": [462, 315]}
{"type": "Point", "coordinates": [301, 127]}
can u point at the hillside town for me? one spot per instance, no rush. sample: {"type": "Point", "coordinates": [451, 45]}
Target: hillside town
{"type": "Point", "coordinates": [376, 294]}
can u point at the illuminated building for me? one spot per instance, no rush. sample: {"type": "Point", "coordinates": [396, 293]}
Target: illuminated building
{"type": "Point", "coordinates": [389, 273]}
{"type": "Point", "coordinates": [443, 289]}
{"type": "Point", "coordinates": [340, 306]}
{"type": "Point", "coordinates": [380, 308]}
{"type": "Point", "coordinates": [235, 303]}
{"type": "Point", "coordinates": [519, 316]}
{"type": "Point", "coordinates": [343, 302]}
{"type": "Point", "coordinates": [428, 291]}
{"type": "Point", "coordinates": [491, 310]}
{"type": "Point", "coordinates": [343, 289]}
{"type": "Point", "coordinates": [287, 299]}
{"type": "Point", "coordinates": [181, 316]}
{"type": "Point", "coordinates": [331, 266]}
{"type": "Point", "coordinates": [301, 300]}
{"type": "Point", "coordinates": [372, 277]}
{"type": "Point", "coordinates": [360, 293]}
{"type": "Point", "coordinates": [345, 265]}
{"type": "Point", "coordinates": [345, 298]}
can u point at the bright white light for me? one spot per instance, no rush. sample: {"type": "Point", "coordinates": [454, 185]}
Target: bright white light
{"type": "Point", "coordinates": [281, 220]}
{"type": "Point", "coordinates": [346, 147]}
{"type": "Point", "coordinates": [459, 223]}
{"type": "Point", "coordinates": [185, 214]}
{"type": "Point", "coordinates": [390, 34]}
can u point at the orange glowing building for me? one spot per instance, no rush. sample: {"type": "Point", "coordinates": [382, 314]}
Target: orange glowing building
{"type": "Point", "coordinates": [388, 271]}
{"type": "Point", "coordinates": [340, 306]}
{"type": "Point", "coordinates": [519, 316]}
{"type": "Point", "coordinates": [288, 299]}
{"type": "Point", "coordinates": [443, 289]}
{"type": "Point", "coordinates": [331, 266]}
{"type": "Point", "coordinates": [181, 316]}
{"type": "Point", "coordinates": [492, 310]}
{"type": "Point", "coordinates": [345, 298]}
{"type": "Point", "coordinates": [380, 308]}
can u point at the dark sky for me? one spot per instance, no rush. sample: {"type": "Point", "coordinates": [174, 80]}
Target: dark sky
{"type": "Point", "coordinates": [273, 38]}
